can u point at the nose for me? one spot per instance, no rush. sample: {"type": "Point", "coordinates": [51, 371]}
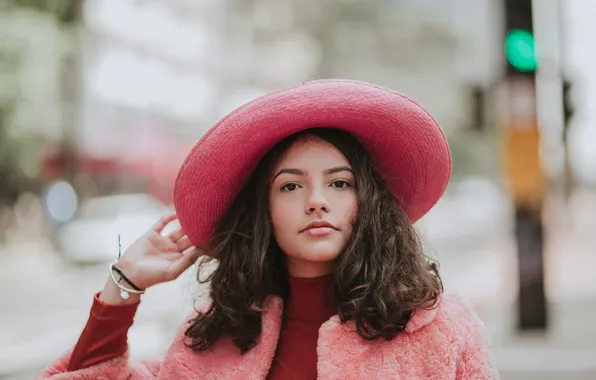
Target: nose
{"type": "Point", "coordinates": [317, 203]}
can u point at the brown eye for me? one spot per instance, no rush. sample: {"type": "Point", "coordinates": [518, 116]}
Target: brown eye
{"type": "Point", "coordinates": [289, 187]}
{"type": "Point", "coordinates": [341, 184]}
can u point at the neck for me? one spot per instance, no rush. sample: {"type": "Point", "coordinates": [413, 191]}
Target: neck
{"type": "Point", "coordinates": [308, 299]}
{"type": "Point", "coordinates": [308, 269]}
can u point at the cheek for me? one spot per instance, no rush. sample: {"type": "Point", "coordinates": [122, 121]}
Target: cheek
{"type": "Point", "coordinates": [350, 208]}
{"type": "Point", "coordinates": [281, 216]}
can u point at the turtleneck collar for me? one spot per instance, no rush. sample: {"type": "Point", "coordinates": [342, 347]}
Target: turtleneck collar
{"type": "Point", "coordinates": [308, 301]}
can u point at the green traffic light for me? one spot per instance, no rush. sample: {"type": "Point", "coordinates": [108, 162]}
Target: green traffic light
{"type": "Point", "coordinates": [520, 50]}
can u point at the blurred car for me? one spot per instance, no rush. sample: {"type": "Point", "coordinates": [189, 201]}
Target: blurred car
{"type": "Point", "coordinates": [92, 237]}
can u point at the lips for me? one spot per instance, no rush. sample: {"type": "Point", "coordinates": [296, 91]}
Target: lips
{"type": "Point", "coordinates": [322, 225]}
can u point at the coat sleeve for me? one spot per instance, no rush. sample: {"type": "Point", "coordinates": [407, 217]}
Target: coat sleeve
{"type": "Point", "coordinates": [116, 368]}
{"type": "Point", "coordinates": [102, 350]}
{"type": "Point", "coordinates": [476, 361]}
{"type": "Point", "coordinates": [113, 369]}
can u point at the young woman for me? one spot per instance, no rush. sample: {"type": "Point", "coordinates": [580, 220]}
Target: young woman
{"type": "Point", "coordinates": [305, 198]}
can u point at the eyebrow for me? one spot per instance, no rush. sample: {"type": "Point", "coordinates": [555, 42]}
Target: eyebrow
{"type": "Point", "coordinates": [300, 172]}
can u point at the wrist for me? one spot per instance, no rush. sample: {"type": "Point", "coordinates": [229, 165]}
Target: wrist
{"type": "Point", "coordinates": [111, 295]}
{"type": "Point", "coordinates": [129, 275]}
{"type": "Point", "coordinates": [124, 278]}
{"type": "Point", "coordinates": [119, 289]}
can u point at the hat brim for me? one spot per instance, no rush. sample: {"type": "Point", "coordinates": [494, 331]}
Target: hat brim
{"type": "Point", "coordinates": [406, 144]}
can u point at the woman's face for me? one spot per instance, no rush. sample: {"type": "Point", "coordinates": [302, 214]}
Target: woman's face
{"type": "Point", "coordinates": [312, 202]}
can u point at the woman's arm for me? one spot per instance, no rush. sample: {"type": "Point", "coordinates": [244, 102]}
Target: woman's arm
{"type": "Point", "coordinates": [102, 346]}
{"type": "Point", "coordinates": [112, 369]}
{"type": "Point", "coordinates": [102, 350]}
{"type": "Point", "coordinates": [105, 335]}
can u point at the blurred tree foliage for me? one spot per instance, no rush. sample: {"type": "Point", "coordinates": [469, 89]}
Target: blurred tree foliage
{"type": "Point", "coordinates": [66, 12]}
{"type": "Point", "coordinates": [11, 178]}
{"type": "Point", "coordinates": [14, 178]}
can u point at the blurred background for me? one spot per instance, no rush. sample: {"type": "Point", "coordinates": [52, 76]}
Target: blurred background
{"type": "Point", "coordinates": [101, 100]}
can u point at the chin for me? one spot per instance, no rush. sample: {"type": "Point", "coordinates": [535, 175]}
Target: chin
{"type": "Point", "coordinates": [320, 254]}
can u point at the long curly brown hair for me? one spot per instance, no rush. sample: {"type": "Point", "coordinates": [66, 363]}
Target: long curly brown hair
{"type": "Point", "coordinates": [380, 278]}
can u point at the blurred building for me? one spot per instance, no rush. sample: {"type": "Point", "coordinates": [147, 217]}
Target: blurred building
{"type": "Point", "coordinates": [435, 51]}
{"type": "Point", "coordinates": [149, 82]}
{"type": "Point", "coordinates": [149, 78]}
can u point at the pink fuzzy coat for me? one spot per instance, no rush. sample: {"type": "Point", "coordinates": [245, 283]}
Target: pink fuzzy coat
{"type": "Point", "coordinates": [447, 342]}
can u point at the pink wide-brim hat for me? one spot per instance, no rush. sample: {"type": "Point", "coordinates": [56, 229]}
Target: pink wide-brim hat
{"type": "Point", "coordinates": [406, 144]}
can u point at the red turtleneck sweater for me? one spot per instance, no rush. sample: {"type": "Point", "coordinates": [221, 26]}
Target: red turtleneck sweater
{"type": "Point", "coordinates": [105, 335]}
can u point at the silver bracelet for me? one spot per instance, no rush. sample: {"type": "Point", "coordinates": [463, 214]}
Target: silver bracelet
{"type": "Point", "coordinates": [124, 291]}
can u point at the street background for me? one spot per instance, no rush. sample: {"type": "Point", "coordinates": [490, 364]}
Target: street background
{"type": "Point", "coordinates": [100, 101]}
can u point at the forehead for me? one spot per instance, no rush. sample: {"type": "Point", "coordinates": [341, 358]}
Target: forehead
{"type": "Point", "coordinates": [312, 151]}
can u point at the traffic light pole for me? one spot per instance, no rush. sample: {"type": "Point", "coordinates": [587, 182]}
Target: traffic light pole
{"type": "Point", "coordinates": [522, 163]}
{"type": "Point", "coordinates": [568, 179]}
{"type": "Point", "coordinates": [568, 108]}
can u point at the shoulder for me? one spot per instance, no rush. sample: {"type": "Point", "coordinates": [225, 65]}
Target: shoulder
{"type": "Point", "coordinates": [456, 318]}
{"type": "Point", "coordinates": [451, 328]}
{"type": "Point", "coordinates": [473, 355]}
{"type": "Point", "coordinates": [454, 309]}
{"type": "Point", "coordinates": [457, 313]}
{"type": "Point", "coordinates": [451, 317]}
{"type": "Point", "coordinates": [272, 311]}
{"type": "Point", "coordinates": [450, 311]}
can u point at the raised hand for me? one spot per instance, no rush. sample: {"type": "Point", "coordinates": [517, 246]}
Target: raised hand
{"type": "Point", "coordinates": [155, 258]}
